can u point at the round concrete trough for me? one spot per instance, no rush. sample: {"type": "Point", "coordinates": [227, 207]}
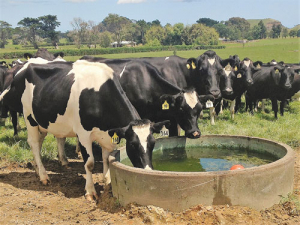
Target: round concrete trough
{"type": "Point", "coordinates": [257, 187]}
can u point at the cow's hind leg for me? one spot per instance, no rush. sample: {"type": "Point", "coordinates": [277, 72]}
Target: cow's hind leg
{"type": "Point", "coordinates": [106, 171]}
{"type": "Point", "coordinates": [14, 120]}
{"type": "Point", "coordinates": [35, 140]}
{"type": "Point", "coordinates": [88, 158]}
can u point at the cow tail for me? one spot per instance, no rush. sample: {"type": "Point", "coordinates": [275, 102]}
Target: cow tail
{"type": "Point", "coordinates": [4, 92]}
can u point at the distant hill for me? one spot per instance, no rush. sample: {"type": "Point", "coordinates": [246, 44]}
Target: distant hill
{"type": "Point", "coordinates": [267, 22]}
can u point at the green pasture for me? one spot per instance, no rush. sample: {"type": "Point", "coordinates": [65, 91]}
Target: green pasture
{"type": "Point", "coordinates": [262, 124]}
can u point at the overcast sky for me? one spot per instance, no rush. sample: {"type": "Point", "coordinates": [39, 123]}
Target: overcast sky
{"type": "Point", "coordinates": [166, 11]}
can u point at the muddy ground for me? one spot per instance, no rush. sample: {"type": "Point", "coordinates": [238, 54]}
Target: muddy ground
{"type": "Point", "coordinates": [23, 200]}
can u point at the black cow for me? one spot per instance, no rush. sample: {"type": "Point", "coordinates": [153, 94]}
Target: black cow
{"type": "Point", "coordinates": [148, 91]}
{"type": "Point", "coordinates": [201, 73]}
{"type": "Point", "coordinates": [272, 82]}
{"type": "Point", "coordinates": [44, 54]}
{"type": "Point", "coordinates": [157, 99]}
{"type": "Point", "coordinates": [242, 79]}
{"type": "Point", "coordinates": [80, 99]}
{"type": "Point", "coordinates": [294, 92]}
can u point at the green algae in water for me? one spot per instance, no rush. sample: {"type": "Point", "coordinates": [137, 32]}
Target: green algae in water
{"type": "Point", "coordinates": [203, 159]}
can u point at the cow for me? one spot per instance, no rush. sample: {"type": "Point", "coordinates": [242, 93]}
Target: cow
{"type": "Point", "coordinates": [294, 92]}
{"type": "Point", "coordinates": [272, 82]}
{"type": "Point", "coordinates": [242, 79]}
{"type": "Point", "coordinates": [201, 73]}
{"type": "Point", "coordinates": [84, 100]}
{"type": "Point", "coordinates": [148, 91]}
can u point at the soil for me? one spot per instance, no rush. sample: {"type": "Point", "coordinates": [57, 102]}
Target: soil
{"type": "Point", "coordinates": [23, 200]}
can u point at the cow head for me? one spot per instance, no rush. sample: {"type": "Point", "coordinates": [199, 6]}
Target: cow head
{"type": "Point", "coordinates": [283, 76]}
{"type": "Point", "coordinates": [186, 108]}
{"type": "Point", "coordinates": [139, 140]}
{"type": "Point", "coordinates": [246, 70]}
{"type": "Point", "coordinates": [227, 76]}
{"type": "Point", "coordinates": [205, 73]}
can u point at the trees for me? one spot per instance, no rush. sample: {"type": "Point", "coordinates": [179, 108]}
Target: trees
{"type": "Point", "coordinates": [263, 29]}
{"type": "Point", "coordinates": [199, 34]}
{"type": "Point", "coordinates": [80, 31]}
{"type": "Point", "coordinates": [31, 28]}
{"type": "Point", "coordinates": [5, 31]}
{"type": "Point", "coordinates": [115, 24]}
{"type": "Point", "coordinates": [239, 24]}
{"type": "Point", "coordinates": [48, 25]}
{"type": "Point", "coordinates": [293, 33]}
{"type": "Point", "coordinates": [207, 22]}
{"type": "Point", "coordinates": [276, 30]}
{"type": "Point", "coordinates": [43, 26]}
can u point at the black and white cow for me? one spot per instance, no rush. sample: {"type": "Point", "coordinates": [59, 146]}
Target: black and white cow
{"type": "Point", "coordinates": [148, 92]}
{"type": "Point", "coordinates": [271, 82]}
{"type": "Point", "coordinates": [242, 79]}
{"type": "Point", "coordinates": [44, 54]}
{"type": "Point", "coordinates": [84, 100]}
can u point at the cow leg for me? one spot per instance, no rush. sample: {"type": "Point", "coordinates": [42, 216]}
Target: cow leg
{"type": "Point", "coordinates": [87, 153]}
{"type": "Point", "coordinates": [212, 114]}
{"type": "Point", "coordinates": [77, 150]}
{"type": "Point", "coordinates": [282, 105]}
{"type": "Point", "coordinates": [237, 104]}
{"type": "Point", "coordinates": [275, 107]}
{"type": "Point", "coordinates": [201, 114]}
{"type": "Point", "coordinates": [14, 120]}
{"type": "Point", "coordinates": [221, 108]}
{"type": "Point", "coordinates": [106, 171]}
{"type": "Point", "coordinates": [232, 106]}
{"type": "Point", "coordinates": [173, 129]}
{"type": "Point", "coordinates": [35, 139]}
{"type": "Point", "coordinates": [61, 151]}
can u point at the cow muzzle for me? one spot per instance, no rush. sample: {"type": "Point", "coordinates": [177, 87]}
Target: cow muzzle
{"type": "Point", "coordinates": [194, 134]}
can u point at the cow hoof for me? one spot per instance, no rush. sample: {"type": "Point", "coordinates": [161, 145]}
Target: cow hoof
{"type": "Point", "coordinates": [45, 182]}
{"type": "Point", "coordinates": [91, 197]}
{"type": "Point", "coordinates": [67, 167]}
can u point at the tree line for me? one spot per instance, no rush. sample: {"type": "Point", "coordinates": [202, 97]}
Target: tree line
{"type": "Point", "coordinates": [115, 28]}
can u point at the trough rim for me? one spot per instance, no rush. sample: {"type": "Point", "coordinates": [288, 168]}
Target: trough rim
{"type": "Point", "coordinates": [290, 155]}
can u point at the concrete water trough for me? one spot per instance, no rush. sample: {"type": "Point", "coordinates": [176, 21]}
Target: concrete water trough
{"type": "Point", "coordinates": [256, 187]}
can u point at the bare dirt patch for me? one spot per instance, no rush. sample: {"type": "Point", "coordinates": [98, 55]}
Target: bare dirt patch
{"type": "Point", "coordinates": [23, 200]}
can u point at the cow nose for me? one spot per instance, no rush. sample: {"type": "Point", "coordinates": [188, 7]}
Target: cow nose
{"type": "Point", "coordinates": [194, 135]}
{"type": "Point", "coordinates": [229, 91]}
{"type": "Point", "coordinates": [216, 94]}
{"type": "Point", "coordinates": [287, 86]}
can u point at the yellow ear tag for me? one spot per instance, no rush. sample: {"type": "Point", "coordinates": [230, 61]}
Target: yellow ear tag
{"type": "Point", "coordinates": [193, 65]}
{"type": "Point", "coordinates": [165, 105]}
{"type": "Point", "coordinates": [188, 66]}
{"type": "Point", "coordinates": [239, 75]}
{"type": "Point", "coordinates": [115, 138]}
{"type": "Point", "coordinates": [28, 57]}
{"type": "Point", "coordinates": [276, 71]}
{"type": "Point", "coordinates": [235, 68]}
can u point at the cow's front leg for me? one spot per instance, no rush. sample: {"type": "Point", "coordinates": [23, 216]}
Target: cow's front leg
{"type": "Point", "coordinates": [61, 152]}
{"type": "Point", "coordinates": [88, 157]}
{"type": "Point", "coordinates": [212, 114]}
{"type": "Point", "coordinates": [282, 105]}
{"type": "Point", "coordinates": [106, 171]}
{"type": "Point", "coordinates": [232, 111]}
{"type": "Point", "coordinates": [35, 140]}
{"type": "Point", "coordinates": [275, 107]}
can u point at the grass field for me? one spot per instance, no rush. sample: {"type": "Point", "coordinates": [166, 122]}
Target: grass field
{"type": "Point", "coordinates": [285, 129]}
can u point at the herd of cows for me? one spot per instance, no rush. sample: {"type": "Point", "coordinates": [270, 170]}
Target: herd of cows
{"type": "Point", "coordinates": [105, 100]}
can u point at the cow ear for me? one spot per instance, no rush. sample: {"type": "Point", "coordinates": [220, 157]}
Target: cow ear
{"type": "Point", "coordinates": [167, 102]}
{"type": "Point", "coordinates": [117, 134]}
{"type": "Point", "coordinates": [276, 74]}
{"type": "Point", "coordinates": [28, 56]}
{"type": "Point", "coordinates": [258, 64]}
{"type": "Point", "coordinates": [156, 127]}
{"type": "Point", "coordinates": [191, 64]}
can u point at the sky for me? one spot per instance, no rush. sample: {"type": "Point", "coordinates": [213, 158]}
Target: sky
{"type": "Point", "coordinates": [166, 11]}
